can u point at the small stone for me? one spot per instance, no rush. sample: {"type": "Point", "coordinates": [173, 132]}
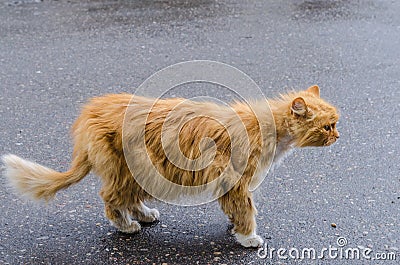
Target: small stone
{"type": "Point", "coordinates": [333, 225]}
{"type": "Point", "coordinates": [164, 226]}
{"type": "Point", "coordinates": [217, 253]}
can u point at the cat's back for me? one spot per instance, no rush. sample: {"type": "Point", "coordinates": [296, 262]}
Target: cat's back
{"type": "Point", "coordinates": [102, 112]}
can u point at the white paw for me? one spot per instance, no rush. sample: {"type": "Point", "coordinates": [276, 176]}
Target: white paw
{"type": "Point", "coordinates": [154, 215]}
{"type": "Point", "coordinates": [149, 215]}
{"type": "Point", "coordinates": [248, 241]}
{"type": "Point", "coordinates": [134, 227]}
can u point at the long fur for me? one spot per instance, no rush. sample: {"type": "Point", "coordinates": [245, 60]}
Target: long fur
{"type": "Point", "coordinates": [168, 137]}
{"type": "Point", "coordinates": [38, 182]}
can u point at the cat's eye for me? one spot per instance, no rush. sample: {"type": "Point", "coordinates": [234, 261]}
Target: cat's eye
{"type": "Point", "coordinates": [327, 127]}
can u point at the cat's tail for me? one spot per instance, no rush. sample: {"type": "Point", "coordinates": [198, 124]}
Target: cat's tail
{"type": "Point", "coordinates": [37, 182]}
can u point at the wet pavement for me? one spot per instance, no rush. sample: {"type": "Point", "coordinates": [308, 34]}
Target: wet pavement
{"type": "Point", "coordinates": [54, 55]}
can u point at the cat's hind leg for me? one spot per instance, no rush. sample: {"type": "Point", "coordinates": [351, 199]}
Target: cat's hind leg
{"type": "Point", "coordinates": [121, 219]}
{"type": "Point", "coordinates": [143, 213]}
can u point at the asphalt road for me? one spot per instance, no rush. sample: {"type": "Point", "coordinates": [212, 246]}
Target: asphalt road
{"type": "Point", "coordinates": [54, 55]}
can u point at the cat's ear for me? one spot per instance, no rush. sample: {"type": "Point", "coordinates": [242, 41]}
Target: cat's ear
{"type": "Point", "coordinates": [299, 106]}
{"type": "Point", "coordinates": [314, 89]}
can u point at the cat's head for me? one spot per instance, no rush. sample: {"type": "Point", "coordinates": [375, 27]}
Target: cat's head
{"type": "Point", "coordinates": [312, 121]}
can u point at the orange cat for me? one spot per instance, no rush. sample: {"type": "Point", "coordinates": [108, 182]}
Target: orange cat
{"type": "Point", "coordinates": [236, 143]}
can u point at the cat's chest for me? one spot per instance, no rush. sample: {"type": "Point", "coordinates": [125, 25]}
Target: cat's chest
{"type": "Point", "coordinates": [283, 148]}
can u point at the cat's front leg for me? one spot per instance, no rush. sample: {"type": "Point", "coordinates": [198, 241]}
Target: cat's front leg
{"type": "Point", "coordinates": [250, 240]}
{"type": "Point", "coordinates": [238, 205]}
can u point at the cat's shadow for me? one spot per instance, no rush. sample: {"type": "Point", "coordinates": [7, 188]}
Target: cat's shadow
{"type": "Point", "coordinates": [175, 246]}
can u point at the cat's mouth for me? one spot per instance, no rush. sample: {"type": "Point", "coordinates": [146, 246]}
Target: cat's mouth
{"type": "Point", "coordinates": [330, 141]}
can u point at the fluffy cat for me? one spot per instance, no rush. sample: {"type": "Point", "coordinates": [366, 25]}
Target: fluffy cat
{"type": "Point", "coordinates": [109, 124]}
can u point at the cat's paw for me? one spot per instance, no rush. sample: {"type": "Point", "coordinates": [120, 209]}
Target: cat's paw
{"type": "Point", "coordinates": [150, 215]}
{"type": "Point", "coordinates": [134, 227]}
{"type": "Point", "coordinates": [248, 241]}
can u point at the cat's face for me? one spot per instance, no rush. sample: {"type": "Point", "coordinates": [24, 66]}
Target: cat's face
{"type": "Point", "coordinates": [313, 120]}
